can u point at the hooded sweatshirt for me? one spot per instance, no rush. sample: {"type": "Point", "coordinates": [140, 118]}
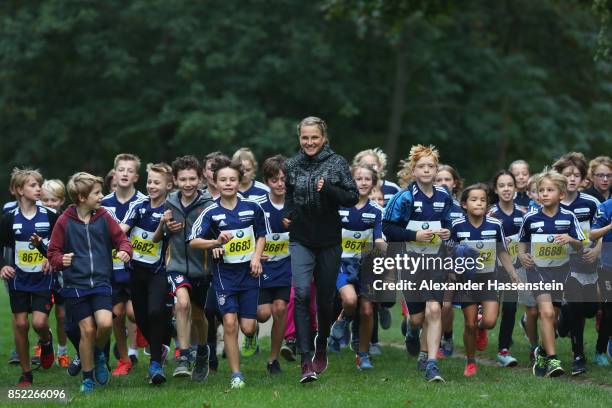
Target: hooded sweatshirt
{"type": "Point", "coordinates": [179, 256]}
{"type": "Point", "coordinates": [315, 221]}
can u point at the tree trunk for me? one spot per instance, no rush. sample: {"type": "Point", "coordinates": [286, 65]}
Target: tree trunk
{"type": "Point", "coordinates": [398, 100]}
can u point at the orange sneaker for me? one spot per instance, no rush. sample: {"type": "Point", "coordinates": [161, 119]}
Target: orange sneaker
{"type": "Point", "coordinates": [63, 360]}
{"type": "Point", "coordinates": [123, 368]}
{"type": "Point", "coordinates": [470, 370]}
{"type": "Point", "coordinates": [141, 342]}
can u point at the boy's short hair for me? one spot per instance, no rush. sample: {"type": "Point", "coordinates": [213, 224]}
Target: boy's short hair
{"type": "Point", "coordinates": [81, 184]}
{"type": "Point", "coordinates": [572, 159]}
{"type": "Point", "coordinates": [555, 177]}
{"type": "Point", "coordinates": [162, 168]}
{"type": "Point", "coordinates": [56, 188]}
{"type": "Point", "coordinates": [20, 176]}
{"type": "Point", "coordinates": [127, 157]}
{"type": "Point", "coordinates": [222, 163]}
{"type": "Point", "coordinates": [272, 166]}
{"type": "Point", "coordinates": [419, 151]}
{"type": "Point", "coordinates": [187, 162]}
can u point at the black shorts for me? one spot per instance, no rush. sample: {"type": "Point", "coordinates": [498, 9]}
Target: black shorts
{"type": "Point", "coordinates": [79, 308]}
{"type": "Point", "coordinates": [472, 297]}
{"type": "Point", "coordinates": [58, 300]}
{"type": "Point", "coordinates": [548, 275]}
{"type": "Point", "coordinates": [416, 299]}
{"type": "Point", "coordinates": [586, 295]}
{"type": "Point", "coordinates": [605, 284]}
{"type": "Point", "coordinates": [121, 292]}
{"type": "Point", "coordinates": [269, 295]}
{"type": "Point", "coordinates": [28, 302]}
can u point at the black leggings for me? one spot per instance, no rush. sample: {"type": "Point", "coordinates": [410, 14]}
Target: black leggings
{"type": "Point", "coordinates": [149, 299]}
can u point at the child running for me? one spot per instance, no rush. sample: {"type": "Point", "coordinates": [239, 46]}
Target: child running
{"type": "Point", "coordinates": [361, 230]}
{"type": "Point", "coordinates": [28, 272]}
{"type": "Point", "coordinates": [486, 236]}
{"type": "Point", "coordinates": [420, 217]}
{"type": "Point", "coordinates": [511, 217]}
{"type": "Point", "coordinates": [549, 231]}
{"type": "Point", "coordinates": [235, 229]}
{"type": "Point", "coordinates": [148, 280]}
{"type": "Point", "coordinates": [80, 247]}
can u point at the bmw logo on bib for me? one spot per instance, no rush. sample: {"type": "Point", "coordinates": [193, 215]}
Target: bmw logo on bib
{"type": "Point", "coordinates": [425, 225]}
{"type": "Point", "coordinates": [357, 235]}
{"type": "Point", "coordinates": [221, 299]}
{"type": "Point", "coordinates": [275, 237]}
{"type": "Point", "coordinates": [144, 235]}
{"type": "Point", "coordinates": [240, 234]}
{"type": "Point", "coordinates": [479, 245]}
{"type": "Point", "coordinates": [550, 239]}
{"type": "Point", "coordinates": [31, 246]}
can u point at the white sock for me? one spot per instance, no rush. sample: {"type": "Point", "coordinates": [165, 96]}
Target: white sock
{"type": "Point", "coordinates": [62, 350]}
{"type": "Point", "coordinates": [132, 352]}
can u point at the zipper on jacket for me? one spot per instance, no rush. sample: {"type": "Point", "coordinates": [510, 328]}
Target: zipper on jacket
{"type": "Point", "coordinates": [90, 257]}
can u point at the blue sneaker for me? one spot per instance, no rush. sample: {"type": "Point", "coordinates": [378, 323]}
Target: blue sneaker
{"type": "Point", "coordinates": [87, 386]}
{"type": "Point", "coordinates": [610, 348]}
{"type": "Point", "coordinates": [338, 329]}
{"type": "Point", "coordinates": [156, 374]}
{"type": "Point", "coordinates": [601, 360]}
{"type": "Point", "coordinates": [237, 381]}
{"type": "Point", "coordinates": [333, 345]}
{"type": "Point", "coordinates": [346, 337]}
{"type": "Point", "coordinates": [363, 361]}
{"type": "Point", "coordinates": [101, 373]}
{"type": "Point", "coordinates": [432, 373]}
{"type": "Point", "coordinates": [412, 340]}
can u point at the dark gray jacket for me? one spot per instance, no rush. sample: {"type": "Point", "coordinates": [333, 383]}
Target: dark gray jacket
{"type": "Point", "coordinates": [179, 256]}
{"type": "Point", "coordinates": [315, 221]}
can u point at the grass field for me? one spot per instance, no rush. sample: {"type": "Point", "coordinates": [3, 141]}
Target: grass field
{"type": "Point", "coordinates": [394, 382]}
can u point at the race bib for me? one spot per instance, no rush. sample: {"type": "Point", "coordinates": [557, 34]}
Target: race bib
{"type": "Point", "coordinates": [512, 244]}
{"type": "Point", "coordinates": [241, 247]}
{"type": "Point", "coordinates": [354, 243]}
{"type": "Point", "coordinates": [431, 247]}
{"type": "Point", "coordinates": [28, 258]}
{"type": "Point", "coordinates": [277, 246]}
{"type": "Point", "coordinates": [546, 253]}
{"type": "Point", "coordinates": [487, 250]}
{"type": "Point", "coordinates": [145, 250]}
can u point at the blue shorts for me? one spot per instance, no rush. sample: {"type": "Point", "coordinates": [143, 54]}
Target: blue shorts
{"type": "Point", "coordinates": [349, 274]}
{"type": "Point", "coordinates": [79, 308]}
{"type": "Point", "coordinates": [243, 302]}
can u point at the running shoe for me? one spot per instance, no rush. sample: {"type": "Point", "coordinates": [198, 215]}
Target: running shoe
{"type": "Point", "coordinates": [201, 366]}
{"type": "Point", "coordinates": [288, 350]}
{"type": "Point", "coordinates": [156, 373]}
{"type": "Point", "coordinates": [123, 368]}
{"type": "Point", "coordinates": [319, 359]}
{"type": "Point", "coordinates": [274, 368]}
{"type": "Point", "coordinates": [553, 368]}
{"type": "Point", "coordinates": [601, 360]}
{"type": "Point", "coordinates": [183, 368]}
{"type": "Point", "coordinates": [363, 361]}
{"type": "Point", "coordinates": [470, 370]}
{"type": "Point", "coordinates": [412, 340]}
{"type": "Point", "coordinates": [505, 359]}
{"type": "Point", "coordinates": [432, 373]}
{"type": "Point", "coordinates": [384, 317]}
{"type": "Point", "coordinates": [75, 367]}
{"type": "Point", "coordinates": [250, 345]}
{"type": "Point", "coordinates": [87, 386]}
{"type": "Point", "coordinates": [578, 365]}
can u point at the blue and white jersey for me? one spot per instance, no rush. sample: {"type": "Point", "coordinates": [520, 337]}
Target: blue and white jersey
{"type": "Point", "coordinates": [360, 228]}
{"type": "Point", "coordinates": [488, 239]}
{"type": "Point", "coordinates": [521, 198]}
{"type": "Point", "coordinates": [143, 220]}
{"type": "Point", "coordinates": [246, 222]}
{"type": "Point", "coordinates": [584, 208]}
{"type": "Point", "coordinates": [389, 189]}
{"type": "Point", "coordinates": [11, 205]}
{"type": "Point", "coordinates": [277, 269]}
{"type": "Point", "coordinates": [27, 260]}
{"type": "Point", "coordinates": [539, 230]}
{"type": "Point", "coordinates": [603, 218]}
{"type": "Point", "coordinates": [512, 224]}
{"type": "Point", "coordinates": [118, 211]}
{"type": "Point", "coordinates": [257, 192]}
{"type": "Point", "coordinates": [414, 210]}
{"type": "Point", "coordinates": [456, 211]}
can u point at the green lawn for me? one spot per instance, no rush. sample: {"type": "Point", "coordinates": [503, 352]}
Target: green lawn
{"type": "Point", "coordinates": [393, 382]}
